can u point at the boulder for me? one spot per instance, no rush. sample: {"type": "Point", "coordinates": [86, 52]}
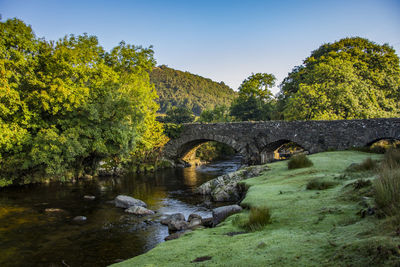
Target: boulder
{"type": "Point", "coordinates": [207, 222]}
{"type": "Point", "coordinates": [177, 225]}
{"type": "Point", "coordinates": [195, 222]}
{"type": "Point", "coordinates": [193, 216]}
{"type": "Point", "coordinates": [173, 217]}
{"type": "Point", "coordinates": [225, 187]}
{"type": "Point", "coordinates": [138, 210]}
{"type": "Point", "coordinates": [221, 213]}
{"type": "Point", "coordinates": [125, 202]}
{"type": "Point", "coordinates": [175, 235]}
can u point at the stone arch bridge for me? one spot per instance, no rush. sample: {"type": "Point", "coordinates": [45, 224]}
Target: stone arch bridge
{"type": "Point", "coordinates": [256, 140]}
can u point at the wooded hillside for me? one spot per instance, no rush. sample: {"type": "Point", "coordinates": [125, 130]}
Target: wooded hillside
{"type": "Point", "coordinates": [178, 88]}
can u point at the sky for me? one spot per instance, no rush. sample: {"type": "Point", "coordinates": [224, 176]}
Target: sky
{"type": "Point", "coordinates": [221, 40]}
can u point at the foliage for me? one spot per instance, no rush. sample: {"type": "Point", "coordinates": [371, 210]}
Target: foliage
{"type": "Point", "coordinates": [172, 130]}
{"type": "Point", "coordinates": [67, 105]}
{"type": "Point", "coordinates": [178, 115]}
{"type": "Point", "coordinates": [178, 88]}
{"type": "Point", "coordinates": [255, 101]}
{"type": "Point", "coordinates": [211, 151]}
{"type": "Point", "coordinates": [299, 161]}
{"type": "Point", "coordinates": [220, 113]}
{"type": "Point", "coordinates": [349, 79]}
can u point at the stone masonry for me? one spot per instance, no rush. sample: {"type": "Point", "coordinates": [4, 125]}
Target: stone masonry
{"type": "Point", "coordinates": [255, 140]}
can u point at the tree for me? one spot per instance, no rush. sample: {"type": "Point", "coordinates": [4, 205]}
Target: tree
{"type": "Point", "coordinates": [255, 101]}
{"type": "Point", "coordinates": [179, 115]}
{"type": "Point", "coordinates": [67, 105]}
{"type": "Point", "coordinates": [353, 78]}
{"type": "Point", "coordinates": [220, 113]}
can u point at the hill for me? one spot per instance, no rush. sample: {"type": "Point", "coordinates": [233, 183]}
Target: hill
{"type": "Point", "coordinates": [178, 88]}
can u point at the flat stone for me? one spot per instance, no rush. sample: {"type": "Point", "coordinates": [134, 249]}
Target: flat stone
{"type": "Point", "coordinates": [79, 219]}
{"type": "Point", "coordinates": [138, 210]}
{"type": "Point", "coordinates": [125, 202]}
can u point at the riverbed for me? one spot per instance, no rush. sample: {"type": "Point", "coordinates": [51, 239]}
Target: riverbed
{"type": "Point", "coordinates": [36, 226]}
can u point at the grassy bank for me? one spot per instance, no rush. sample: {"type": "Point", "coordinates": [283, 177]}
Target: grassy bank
{"type": "Point", "coordinates": [309, 227]}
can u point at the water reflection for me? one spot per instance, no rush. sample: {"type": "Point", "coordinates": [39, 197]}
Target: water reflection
{"type": "Point", "coordinates": [36, 227]}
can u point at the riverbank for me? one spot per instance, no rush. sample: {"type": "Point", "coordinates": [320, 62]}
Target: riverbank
{"type": "Point", "coordinates": [331, 227]}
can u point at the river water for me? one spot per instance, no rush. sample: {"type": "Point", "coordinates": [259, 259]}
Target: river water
{"type": "Point", "coordinates": [31, 234]}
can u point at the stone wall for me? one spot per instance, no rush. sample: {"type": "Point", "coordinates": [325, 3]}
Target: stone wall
{"type": "Point", "coordinates": [255, 140]}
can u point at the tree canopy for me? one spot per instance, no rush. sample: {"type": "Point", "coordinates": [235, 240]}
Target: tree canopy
{"type": "Point", "coordinates": [351, 78]}
{"type": "Point", "coordinates": [255, 101]}
{"type": "Point", "coordinates": [68, 104]}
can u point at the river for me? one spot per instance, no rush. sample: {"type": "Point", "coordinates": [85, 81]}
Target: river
{"type": "Point", "coordinates": [32, 234]}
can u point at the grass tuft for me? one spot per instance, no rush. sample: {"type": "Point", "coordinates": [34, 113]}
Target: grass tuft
{"type": "Point", "coordinates": [318, 184]}
{"type": "Point", "coordinates": [391, 159]}
{"type": "Point", "coordinates": [299, 161]}
{"type": "Point", "coordinates": [387, 191]}
{"type": "Point", "coordinates": [257, 219]}
{"type": "Point", "coordinates": [367, 165]}
{"type": "Point", "coordinates": [387, 185]}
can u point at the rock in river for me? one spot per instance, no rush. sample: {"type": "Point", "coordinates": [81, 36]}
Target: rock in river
{"type": "Point", "coordinates": [125, 202]}
{"type": "Point", "coordinates": [225, 187]}
{"type": "Point", "coordinates": [79, 219]}
{"type": "Point", "coordinates": [138, 210]}
{"type": "Point", "coordinates": [221, 213]}
{"type": "Point", "coordinates": [173, 217]}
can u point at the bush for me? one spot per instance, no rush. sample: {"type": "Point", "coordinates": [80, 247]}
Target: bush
{"type": "Point", "coordinates": [258, 218]}
{"type": "Point", "coordinates": [318, 184]}
{"type": "Point", "coordinates": [299, 161]}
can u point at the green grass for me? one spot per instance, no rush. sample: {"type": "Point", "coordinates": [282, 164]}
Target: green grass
{"type": "Point", "coordinates": [307, 227]}
{"type": "Point", "coordinates": [299, 161]}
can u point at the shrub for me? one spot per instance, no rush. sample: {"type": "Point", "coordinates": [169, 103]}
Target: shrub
{"type": "Point", "coordinates": [299, 161]}
{"type": "Point", "coordinates": [318, 184]}
{"type": "Point", "coordinates": [257, 219]}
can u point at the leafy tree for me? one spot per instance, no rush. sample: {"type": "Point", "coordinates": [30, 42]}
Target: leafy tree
{"type": "Point", "coordinates": [67, 105]}
{"type": "Point", "coordinates": [218, 114]}
{"type": "Point", "coordinates": [349, 79]}
{"type": "Point", "coordinates": [179, 115]}
{"type": "Point", "coordinates": [255, 101]}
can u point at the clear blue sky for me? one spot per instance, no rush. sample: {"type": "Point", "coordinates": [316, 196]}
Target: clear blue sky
{"type": "Point", "coordinates": [222, 40]}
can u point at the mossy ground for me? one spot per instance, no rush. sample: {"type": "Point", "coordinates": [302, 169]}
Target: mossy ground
{"type": "Point", "coordinates": [308, 227]}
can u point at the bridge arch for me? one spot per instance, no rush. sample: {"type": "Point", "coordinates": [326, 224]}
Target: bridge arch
{"type": "Point", "coordinates": [188, 145]}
